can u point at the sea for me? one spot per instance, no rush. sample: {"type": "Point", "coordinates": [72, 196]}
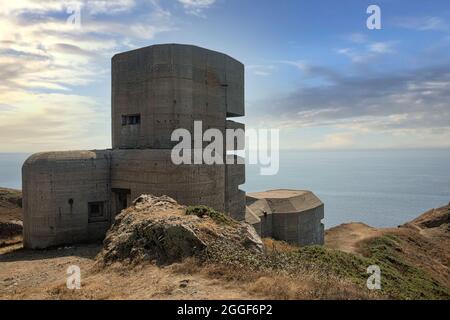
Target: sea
{"type": "Point", "coordinates": [382, 188]}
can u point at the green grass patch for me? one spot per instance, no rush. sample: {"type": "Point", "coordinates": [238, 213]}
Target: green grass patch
{"type": "Point", "coordinates": [201, 211]}
{"type": "Point", "coordinates": [399, 278]}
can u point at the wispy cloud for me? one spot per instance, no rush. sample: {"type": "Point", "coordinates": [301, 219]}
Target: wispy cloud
{"type": "Point", "coordinates": [43, 59]}
{"type": "Point", "coordinates": [381, 47]}
{"type": "Point", "coordinates": [369, 52]}
{"type": "Point", "coordinates": [196, 6]}
{"type": "Point", "coordinates": [357, 37]}
{"type": "Point", "coordinates": [423, 23]}
{"type": "Point", "coordinates": [336, 140]}
{"type": "Point", "coordinates": [312, 71]}
{"type": "Point", "coordinates": [415, 101]}
{"type": "Point", "coordinates": [261, 70]}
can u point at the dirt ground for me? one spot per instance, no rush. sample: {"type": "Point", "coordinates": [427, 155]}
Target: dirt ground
{"type": "Point", "coordinates": [425, 240]}
{"type": "Point", "coordinates": [26, 274]}
{"type": "Point", "coordinates": [348, 237]}
{"type": "Point", "coordinates": [42, 274]}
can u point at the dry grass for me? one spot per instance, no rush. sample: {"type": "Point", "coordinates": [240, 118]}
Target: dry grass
{"type": "Point", "coordinates": [285, 271]}
{"type": "Point", "coordinates": [277, 284]}
{"type": "Point", "coordinates": [284, 287]}
{"type": "Point", "coordinates": [273, 246]}
{"type": "Point", "coordinates": [414, 263]}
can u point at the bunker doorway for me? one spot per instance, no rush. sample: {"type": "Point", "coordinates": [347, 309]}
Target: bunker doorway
{"type": "Point", "coordinates": [121, 199]}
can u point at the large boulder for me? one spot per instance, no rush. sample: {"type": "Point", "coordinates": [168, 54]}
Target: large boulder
{"type": "Point", "coordinates": [159, 229]}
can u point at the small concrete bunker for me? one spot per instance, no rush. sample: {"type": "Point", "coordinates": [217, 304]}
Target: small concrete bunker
{"type": "Point", "coordinates": [290, 215]}
{"type": "Point", "coordinates": [73, 196]}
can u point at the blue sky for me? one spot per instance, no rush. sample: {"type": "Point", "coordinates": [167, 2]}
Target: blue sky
{"type": "Point", "coordinates": [313, 69]}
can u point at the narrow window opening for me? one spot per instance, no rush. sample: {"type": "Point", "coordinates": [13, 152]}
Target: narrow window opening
{"type": "Point", "coordinates": [96, 211]}
{"type": "Point", "coordinates": [132, 119]}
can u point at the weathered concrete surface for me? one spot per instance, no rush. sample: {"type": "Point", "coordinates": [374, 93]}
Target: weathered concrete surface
{"type": "Point", "coordinates": [234, 177]}
{"type": "Point", "coordinates": [57, 188]}
{"type": "Point", "coordinates": [290, 215]}
{"type": "Point", "coordinates": [170, 86]}
{"type": "Point", "coordinates": [151, 171]}
{"type": "Point", "coordinates": [74, 196]}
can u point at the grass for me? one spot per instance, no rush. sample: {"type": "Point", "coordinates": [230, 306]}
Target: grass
{"type": "Point", "coordinates": [11, 196]}
{"type": "Point", "coordinates": [399, 278]}
{"type": "Point", "coordinates": [201, 211]}
{"type": "Point", "coordinates": [274, 275]}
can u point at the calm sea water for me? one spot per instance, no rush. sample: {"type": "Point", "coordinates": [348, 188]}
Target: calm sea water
{"type": "Point", "coordinates": [380, 188]}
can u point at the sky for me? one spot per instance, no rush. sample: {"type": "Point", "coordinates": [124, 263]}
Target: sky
{"type": "Point", "coordinates": [313, 69]}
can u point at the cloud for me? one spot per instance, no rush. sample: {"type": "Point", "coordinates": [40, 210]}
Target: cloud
{"type": "Point", "coordinates": [357, 38]}
{"type": "Point", "coordinates": [47, 52]}
{"type": "Point", "coordinates": [299, 64]}
{"type": "Point", "coordinates": [423, 23]}
{"type": "Point", "coordinates": [38, 120]}
{"type": "Point", "coordinates": [334, 141]}
{"type": "Point", "coordinates": [43, 60]}
{"type": "Point", "coordinates": [261, 70]}
{"type": "Point", "coordinates": [196, 7]}
{"type": "Point", "coordinates": [312, 71]}
{"type": "Point", "coordinates": [91, 7]}
{"type": "Point", "coordinates": [109, 7]}
{"type": "Point", "coordinates": [370, 52]}
{"type": "Point", "coordinates": [412, 101]}
{"type": "Point", "coordinates": [380, 47]}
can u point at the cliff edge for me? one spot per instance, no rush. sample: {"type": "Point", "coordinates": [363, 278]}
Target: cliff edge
{"type": "Point", "coordinates": [158, 249]}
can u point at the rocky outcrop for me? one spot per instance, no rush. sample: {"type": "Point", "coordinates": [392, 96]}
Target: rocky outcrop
{"type": "Point", "coordinates": [10, 214]}
{"type": "Point", "coordinates": [433, 218]}
{"type": "Point", "coordinates": [10, 229]}
{"type": "Point", "coordinates": [159, 229]}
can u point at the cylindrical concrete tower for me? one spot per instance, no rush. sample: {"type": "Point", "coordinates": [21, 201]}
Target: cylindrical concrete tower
{"type": "Point", "coordinates": [159, 88]}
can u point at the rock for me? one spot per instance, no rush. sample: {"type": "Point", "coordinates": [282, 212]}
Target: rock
{"type": "Point", "coordinates": [10, 229]}
{"type": "Point", "coordinates": [158, 229]}
{"type": "Point", "coordinates": [252, 240]}
{"type": "Point", "coordinates": [184, 283]}
{"type": "Point", "coordinates": [433, 218]}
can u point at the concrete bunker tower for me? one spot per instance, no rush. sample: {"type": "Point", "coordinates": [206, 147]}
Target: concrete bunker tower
{"type": "Point", "coordinates": [73, 196]}
{"type": "Point", "coordinates": [158, 89]}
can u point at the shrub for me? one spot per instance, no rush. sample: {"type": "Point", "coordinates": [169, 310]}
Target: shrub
{"type": "Point", "coordinates": [201, 211]}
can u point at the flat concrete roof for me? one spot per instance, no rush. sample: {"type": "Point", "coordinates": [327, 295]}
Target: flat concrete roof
{"type": "Point", "coordinates": [282, 201]}
{"type": "Point", "coordinates": [278, 193]}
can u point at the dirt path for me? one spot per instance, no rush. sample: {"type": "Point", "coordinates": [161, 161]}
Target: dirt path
{"type": "Point", "coordinates": [348, 236]}
{"type": "Point", "coordinates": [28, 274]}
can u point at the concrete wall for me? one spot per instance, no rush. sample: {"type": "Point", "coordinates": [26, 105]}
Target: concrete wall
{"type": "Point", "coordinates": [156, 89]}
{"type": "Point", "coordinates": [304, 228]}
{"type": "Point", "coordinates": [234, 197]}
{"type": "Point", "coordinates": [152, 172]}
{"type": "Point", "coordinates": [170, 86]}
{"type": "Point", "coordinates": [310, 228]}
{"type": "Point", "coordinates": [57, 187]}
{"type": "Point", "coordinates": [266, 226]}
